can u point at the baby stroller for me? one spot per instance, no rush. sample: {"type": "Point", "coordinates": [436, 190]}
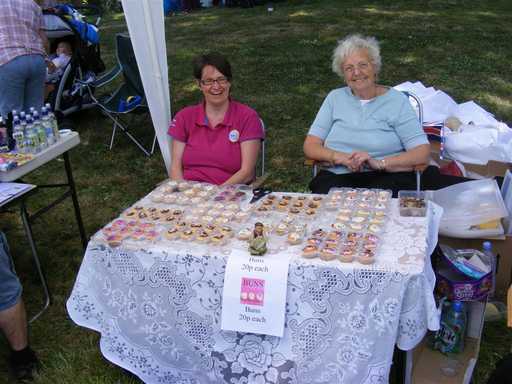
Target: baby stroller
{"type": "Point", "coordinates": [65, 23]}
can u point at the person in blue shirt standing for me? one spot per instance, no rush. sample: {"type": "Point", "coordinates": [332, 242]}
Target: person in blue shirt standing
{"type": "Point", "coordinates": [367, 135]}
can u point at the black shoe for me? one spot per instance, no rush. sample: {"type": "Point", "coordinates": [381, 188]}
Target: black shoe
{"type": "Point", "coordinates": [24, 371]}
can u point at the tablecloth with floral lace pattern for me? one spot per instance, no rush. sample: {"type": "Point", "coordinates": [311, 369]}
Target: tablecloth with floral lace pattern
{"type": "Point", "coordinates": [158, 311]}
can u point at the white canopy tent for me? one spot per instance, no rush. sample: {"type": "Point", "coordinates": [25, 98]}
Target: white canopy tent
{"type": "Point", "coordinates": [145, 20]}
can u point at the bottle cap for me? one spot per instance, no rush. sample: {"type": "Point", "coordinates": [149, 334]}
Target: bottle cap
{"type": "Point", "coordinates": [487, 245]}
{"type": "Point", "coordinates": [458, 306]}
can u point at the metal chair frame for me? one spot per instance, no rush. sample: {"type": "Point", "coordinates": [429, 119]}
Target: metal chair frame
{"type": "Point", "coordinates": [113, 115]}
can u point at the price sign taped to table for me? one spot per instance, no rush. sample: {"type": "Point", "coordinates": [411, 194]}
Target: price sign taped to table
{"type": "Point", "coordinates": [254, 295]}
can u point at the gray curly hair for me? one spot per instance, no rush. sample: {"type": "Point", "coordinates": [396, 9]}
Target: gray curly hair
{"type": "Point", "coordinates": [353, 43]}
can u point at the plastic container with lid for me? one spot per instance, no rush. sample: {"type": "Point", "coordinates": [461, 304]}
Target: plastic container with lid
{"type": "Point", "coordinates": [412, 203]}
{"type": "Point", "coordinates": [470, 203]}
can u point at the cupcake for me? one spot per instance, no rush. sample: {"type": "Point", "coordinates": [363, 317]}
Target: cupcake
{"type": "Point", "coordinates": [281, 229]}
{"type": "Point", "coordinates": [171, 233]}
{"type": "Point", "coordinates": [218, 238]}
{"type": "Point", "coordinates": [114, 240]}
{"type": "Point", "coordinates": [328, 254]}
{"type": "Point", "coordinates": [309, 251]}
{"type": "Point", "coordinates": [368, 257]}
{"type": "Point", "coordinates": [226, 230]}
{"type": "Point", "coordinates": [202, 236]}
{"type": "Point", "coordinates": [157, 197]}
{"type": "Point", "coordinates": [294, 238]}
{"type": "Point", "coordinates": [186, 234]}
{"type": "Point", "coordinates": [346, 256]}
{"type": "Point", "coordinates": [356, 226]}
{"type": "Point", "coordinates": [244, 234]}
{"type": "Point", "coordinates": [338, 226]}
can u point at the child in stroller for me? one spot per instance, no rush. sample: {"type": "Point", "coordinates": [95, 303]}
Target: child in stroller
{"type": "Point", "coordinates": [76, 42]}
{"type": "Point", "coordinates": [58, 61]}
{"type": "Point", "coordinates": [56, 64]}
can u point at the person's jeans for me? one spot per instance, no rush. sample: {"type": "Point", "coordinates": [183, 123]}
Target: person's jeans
{"type": "Point", "coordinates": [10, 287]}
{"type": "Point", "coordinates": [22, 82]}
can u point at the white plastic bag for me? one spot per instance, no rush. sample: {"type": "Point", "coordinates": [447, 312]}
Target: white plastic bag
{"type": "Point", "coordinates": [477, 144]}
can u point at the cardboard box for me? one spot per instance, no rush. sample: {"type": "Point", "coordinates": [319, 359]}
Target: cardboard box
{"type": "Point", "coordinates": [491, 169]}
{"type": "Point", "coordinates": [501, 247]}
{"type": "Point", "coordinates": [427, 364]}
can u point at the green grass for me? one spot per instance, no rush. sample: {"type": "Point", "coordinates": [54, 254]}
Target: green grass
{"type": "Point", "coordinates": [281, 66]}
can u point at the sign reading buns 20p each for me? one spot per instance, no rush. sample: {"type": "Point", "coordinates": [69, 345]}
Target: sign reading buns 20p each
{"type": "Point", "coordinates": [247, 305]}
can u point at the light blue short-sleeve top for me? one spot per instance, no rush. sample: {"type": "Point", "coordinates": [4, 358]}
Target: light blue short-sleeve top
{"type": "Point", "coordinates": [385, 126]}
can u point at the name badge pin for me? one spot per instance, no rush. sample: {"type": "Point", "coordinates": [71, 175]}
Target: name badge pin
{"type": "Point", "coordinates": [234, 135]}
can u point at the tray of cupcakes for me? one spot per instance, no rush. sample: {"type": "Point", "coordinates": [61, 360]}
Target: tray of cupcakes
{"type": "Point", "coordinates": [346, 247]}
{"type": "Point", "coordinates": [120, 231]}
{"type": "Point", "coordinates": [358, 198]}
{"type": "Point", "coordinates": [183, 192]}
{"type": "Point", "coordinates": [294, 204]}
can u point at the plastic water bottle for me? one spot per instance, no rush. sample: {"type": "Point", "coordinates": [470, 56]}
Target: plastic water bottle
{"type": "Point", "coordinates": [4, 137]}
{"type": "Point", "coordinates": [450, 338]}
{"type": "Point", "coordinates": [48, 127]}
{"type": "Point", "coordinates": [53, 120]}
{"type": "Point", "coordinates": [31, 137]}
{"type": "Point", "coordinates": [41, 132]}
{"type": "Point", "coordinates": [18, 134]}
{"type": "Point", "coordinates": [487, 249]}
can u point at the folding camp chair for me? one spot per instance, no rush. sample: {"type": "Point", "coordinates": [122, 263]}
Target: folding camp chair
{"type": "Point", "coordinates": [129, 98]}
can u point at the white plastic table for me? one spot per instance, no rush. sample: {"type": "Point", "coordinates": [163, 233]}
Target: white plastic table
{"type": "Point", "coordinates": [61, 148]}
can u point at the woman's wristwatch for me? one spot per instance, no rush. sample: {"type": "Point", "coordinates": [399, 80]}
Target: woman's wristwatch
{"type": "Point", "coordinates": [382, 165]}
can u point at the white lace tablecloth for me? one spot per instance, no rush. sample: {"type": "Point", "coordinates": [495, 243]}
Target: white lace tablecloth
{"type": "Point", "coordinates": [158, 310]}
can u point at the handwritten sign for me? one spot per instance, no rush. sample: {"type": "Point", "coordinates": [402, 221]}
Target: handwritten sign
{"type": "Point", "coordinates": [254, 295]}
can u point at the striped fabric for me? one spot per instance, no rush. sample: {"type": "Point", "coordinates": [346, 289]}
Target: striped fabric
{"type": "Point", "coordinates": [20, 22]}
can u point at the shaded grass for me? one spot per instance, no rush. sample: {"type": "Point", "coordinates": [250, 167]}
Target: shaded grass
{"type": "Point", "coordinates": [281, 68]}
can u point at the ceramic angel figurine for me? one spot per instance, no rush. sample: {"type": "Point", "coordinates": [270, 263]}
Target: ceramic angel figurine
{"type": "Point", "coordinates": [258, 240]}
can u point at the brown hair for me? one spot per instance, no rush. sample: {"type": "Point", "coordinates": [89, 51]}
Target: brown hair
{"type": "Point", "coordinates": [215, 60]}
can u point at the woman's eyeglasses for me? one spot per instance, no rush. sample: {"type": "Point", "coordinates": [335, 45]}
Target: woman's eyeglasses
{"type": "Point", "coordinates": [362, 66]}
{"type": "Point", "coordinates": [220, 81]}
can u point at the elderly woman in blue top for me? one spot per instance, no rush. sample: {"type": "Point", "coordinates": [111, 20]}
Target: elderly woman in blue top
{"type": "Point", "coordinates": [364, 132]}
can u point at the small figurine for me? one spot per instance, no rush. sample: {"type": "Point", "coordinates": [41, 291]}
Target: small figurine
{"type": "Point", "coordinates": [258, 240]}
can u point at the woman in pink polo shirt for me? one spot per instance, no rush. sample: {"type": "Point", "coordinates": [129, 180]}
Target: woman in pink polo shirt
{"type": "Point", "coordinates": [218, 140]}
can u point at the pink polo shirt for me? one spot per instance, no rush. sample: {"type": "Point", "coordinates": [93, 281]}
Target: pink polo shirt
{"type": "Point", "coordinates": [211, 154]}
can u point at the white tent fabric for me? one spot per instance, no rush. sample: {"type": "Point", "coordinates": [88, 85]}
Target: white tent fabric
{"type": "Point", "coordinates": [145, 20]}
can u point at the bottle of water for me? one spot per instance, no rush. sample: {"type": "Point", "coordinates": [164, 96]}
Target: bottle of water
{"type": "Point", "coordinates": [450, 338]}
{"type": "Point", "coordinates": [4, 136]}
{"type": "Point", "coordinates": [487, 250]}
{"type": "Point", "coordinates": [31, 137]}
{"type": "Point", "coordinates": [53, 120]}
{"type": "Point", "coordinates": [40, 130]}
{"type": "Point", "coordinates": [48, 127]}
{"type": "Point", "coordinates": [18, 134]}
